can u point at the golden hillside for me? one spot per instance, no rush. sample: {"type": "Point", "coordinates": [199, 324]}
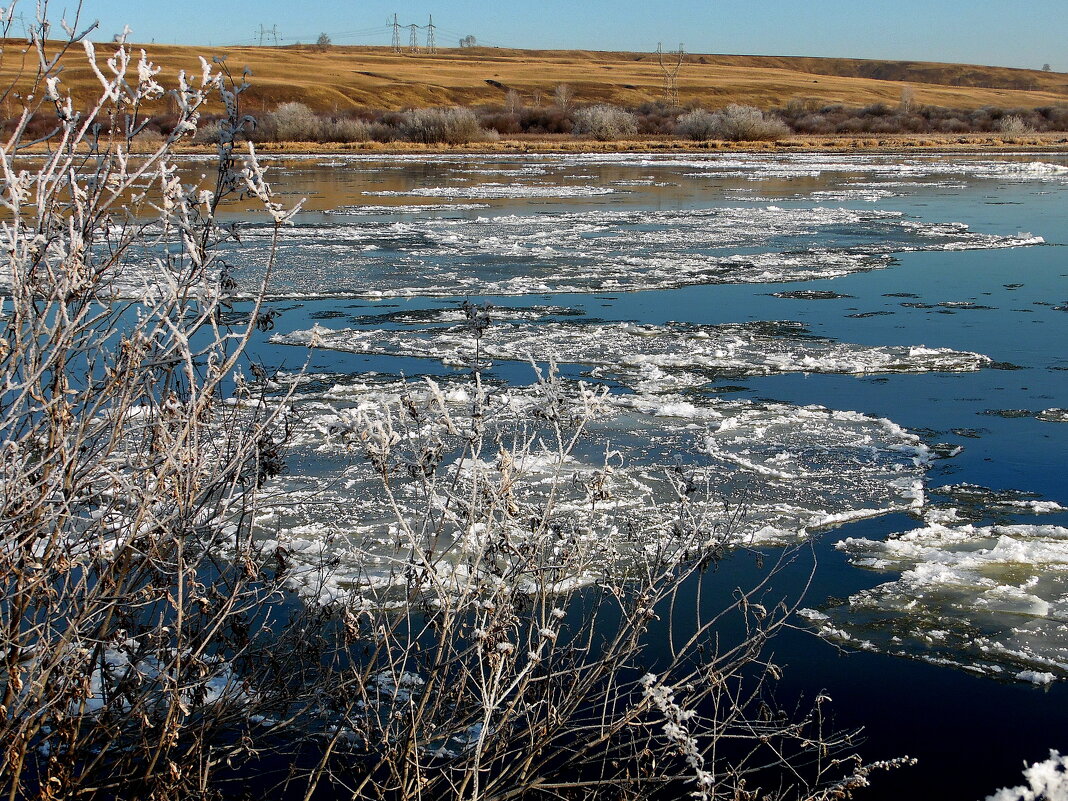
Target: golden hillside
{"type": "Point", "coordinates": [346, 77]}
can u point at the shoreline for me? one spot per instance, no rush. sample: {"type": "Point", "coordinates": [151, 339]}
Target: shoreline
{"type": "Point", "coordinates": [955, 143]}
{"type": "Point", "coordinates": [1050, 142]}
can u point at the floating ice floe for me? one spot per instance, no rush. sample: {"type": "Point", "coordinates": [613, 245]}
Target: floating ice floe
{"type": "Point", "coordinates": [896, 169]}
{"type": "Point", "coordinates": [602, 249]}
{"type": "Point", "coordinates": [872, 169]}
{"type": "Point", "coordinates": [359, 211]}
{"type": "Point", "coordinates": [647, 476]}
{"type": "Point", "coordinates": [649, 357]}
{"type": "Point", "coordinates": [852, 194]}
{"type": "Point", "coordinates": [494, 190]}
{"type": "Point", "coordinates": [614, 250]}
{"type": "Point", "coordinates": [454, 313]}
{"type": "Point", "coordinates": [991, 600]}
{"type": "Point", "coordinates": [1051, 415]}
{"type": "Point", "coordinates": [974, 503]}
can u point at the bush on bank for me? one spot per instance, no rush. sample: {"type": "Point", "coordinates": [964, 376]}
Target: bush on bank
{"type": "Point", "coordinates": [296, 122]}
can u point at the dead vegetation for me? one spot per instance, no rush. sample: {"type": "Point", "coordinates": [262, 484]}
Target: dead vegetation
{"type": "Point", "coordinates": [343, 78]}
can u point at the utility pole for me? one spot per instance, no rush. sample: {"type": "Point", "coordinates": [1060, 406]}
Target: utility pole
{"type": "Point", "coordinates": [431, 45]}
{"type": "Point", "coordinates": [671, 71]}
{"type": "Point", "coordinates": [413, 39]}
{"type": "Point", "coordinates": [396, 35]}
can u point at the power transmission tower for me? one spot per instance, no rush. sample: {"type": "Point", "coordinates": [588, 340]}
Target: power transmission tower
{"type": "Point", "coordinates": [396, 35]}
{"type": "Point", "coordinates": [671, 71]}
{"type": "Point", "coordinates": [413, 39]}
{"type": "Point", "coordinates": [431, 45]}
{"type": "Point", "coordinates": [267, 34]}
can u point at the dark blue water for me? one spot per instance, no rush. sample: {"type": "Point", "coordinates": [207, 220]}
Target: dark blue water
{"type": "Point", "coordinates": [971, 733]}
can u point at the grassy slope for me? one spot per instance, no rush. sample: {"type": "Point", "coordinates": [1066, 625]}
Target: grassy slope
{"type": "Point", "coordinates": [343, 77]}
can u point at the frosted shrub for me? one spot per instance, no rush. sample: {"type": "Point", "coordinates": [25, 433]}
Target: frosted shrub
{"type": "Point", "coordinates": [504, 629]}
{"type": "Point", "coordinates": [450, 126]}
{"type": "Point", "coordinates": [132, 596]}
{"type": "Point", "coordinates": [698, 125]}
{"type": "Point", "coordinates": [383, 132]}
{"type": "Point", "coordinates": [605, 122]}
{"type": "Point", "coordinates": [344, 129]}
{"type": "Point", "coordinates": [209, 133]}
{"type": "Point", "coordinates": [293, 122]}
{"type": "Point", "coordinates": [1046, 781]}
{"type": "Point", "coordinates": [814, 124]}
{"type": "Point", "coordinates": [746, 124]}
{"type": "Point", "coordinates": [1014, 125]}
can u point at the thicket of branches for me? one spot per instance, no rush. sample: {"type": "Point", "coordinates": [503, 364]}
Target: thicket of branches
{"type": "Point", "coordinates": [296, 122]}
{"type": "Point", "coordinates": [150, 644]}
{"type": "Point", "coordinates": [131, 590]}
{"type": "Point", "coordinates": [731, 123]}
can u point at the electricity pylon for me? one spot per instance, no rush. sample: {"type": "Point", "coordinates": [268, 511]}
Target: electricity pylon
{"type": "Point", "coordinates": [431, 45]}
{"type": "Point", "coordinates": [671, 71]}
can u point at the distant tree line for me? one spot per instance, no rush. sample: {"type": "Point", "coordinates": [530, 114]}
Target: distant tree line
{"type": "Point", "coordinates": [293, 121]}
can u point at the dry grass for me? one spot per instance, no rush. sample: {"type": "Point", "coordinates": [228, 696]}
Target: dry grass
{"type": "Point", "coordinates": [1047, 142]}
{"type": "Point", "coordinates": [347, 77]}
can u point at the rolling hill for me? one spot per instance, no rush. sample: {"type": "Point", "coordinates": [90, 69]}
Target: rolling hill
{"type": "Point", "coordinates": [348, 77]}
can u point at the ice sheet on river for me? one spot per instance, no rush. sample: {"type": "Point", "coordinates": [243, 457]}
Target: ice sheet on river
{"type": "Point", "coordinates": [990, 599]}
{"type": "Point", "coordinates": [495, 190]}
{"type": "Point", "coordinates": [649, 357]}
{"type": "Point", "coordinates": [647, 474]}
{"type": "Point", "coordinates": [889, 169]}
{"type": "Point", "coordinates": [598, 250]}
{"type": "Point", "coordinates": [892, 168]}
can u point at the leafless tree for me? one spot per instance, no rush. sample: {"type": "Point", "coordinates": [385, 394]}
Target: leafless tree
{"type": "Point", "coordinates": [513, 101]}
{"type": "Point", "coordinates": [563, 95]}
{"type": "Point", "coordinates": [605, 122]}
{"type": "Point", "coordinates": [1014, 125]}
{"type": "Point", "coordinates": [908, 99]}
{"type": "Point", "coordinates": [734, 123]}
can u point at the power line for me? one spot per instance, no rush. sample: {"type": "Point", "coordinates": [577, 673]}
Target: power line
{"type": "Point", "coordinates": [396, 35]}
{"type": "Point", "coordinates": [454, 34]}
{"type": "Point", "coordinates": [413, 40]}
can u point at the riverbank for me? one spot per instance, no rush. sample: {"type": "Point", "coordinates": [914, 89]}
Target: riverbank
{"type": "Point", "coordinates": [1055, 142]}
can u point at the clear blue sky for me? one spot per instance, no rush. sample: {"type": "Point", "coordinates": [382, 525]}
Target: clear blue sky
{"type": "Point", "coordinates": [1027, 33]}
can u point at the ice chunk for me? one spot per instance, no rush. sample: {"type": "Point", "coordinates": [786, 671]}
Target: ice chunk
{"type": "Point", "coordinates": [648, 357]}
{"type": "Point", "coordinates": [645, 470]}
{"type": "Point", "coordinates": [999, 594]}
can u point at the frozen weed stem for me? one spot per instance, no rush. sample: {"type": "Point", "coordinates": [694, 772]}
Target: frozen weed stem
{"type": "Point", "coordinates": [506, 644]}
{"type": "Point", "coordinates": [149, 645]}
{"type": "Point", "coordinates": [131, 592]}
